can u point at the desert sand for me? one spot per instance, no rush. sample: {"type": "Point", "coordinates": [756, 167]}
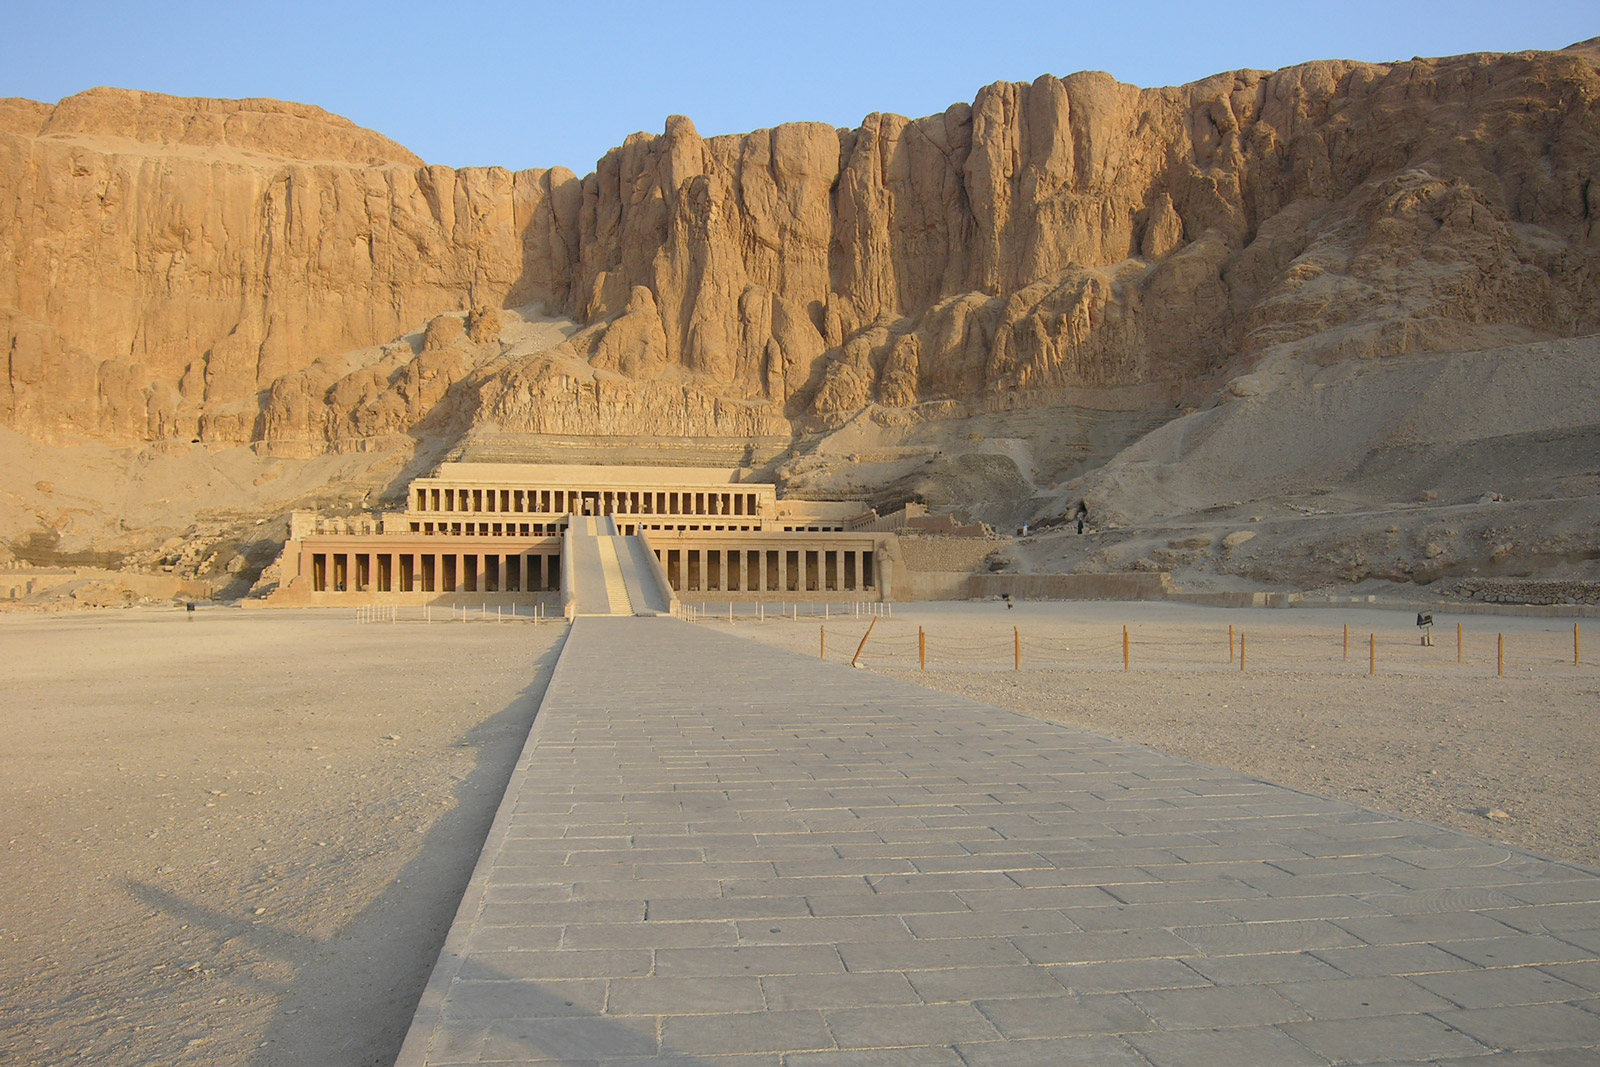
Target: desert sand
{"type": "Point", "coordinates": [239, 838]}
{"type": "Point", "coordinates": [1511, 758]}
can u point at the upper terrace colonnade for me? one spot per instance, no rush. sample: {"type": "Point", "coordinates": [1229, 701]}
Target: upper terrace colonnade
{"type": "Point", "coordinates": [495, 489]}
{"type": "Point", "coordinates": [470, 497]}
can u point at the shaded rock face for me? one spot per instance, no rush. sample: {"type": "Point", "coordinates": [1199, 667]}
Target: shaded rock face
{"type": "Point", "coordinates": [257, 271]}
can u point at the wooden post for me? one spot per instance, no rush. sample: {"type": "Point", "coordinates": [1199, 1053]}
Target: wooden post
{"type": "Point", "coordinates": [1577, 649]}
{"type": "Point", "coordinates": [1347, 642]}
{"type": "Point", "coordinates": [1458, 642]}
{"type": "Point", "coordinates": [922, 647]}
{"type": "Point", "coordinates": [863, 643]}
{"type": "Point", "coordinates": [1241, 650]}
{"type": "Point", "coordinates": [822, 643]}
{"type": "Point", "coordinates": [1124, 648]}
{"type": "Point", "coordinates": [1016, 637]}
{"type": "Point", "coordinates": [1230, 642]}
{"type": "Point", "coordinates": [1500, 655]}
{"type": "Point", "coordinates": [1372, 654]}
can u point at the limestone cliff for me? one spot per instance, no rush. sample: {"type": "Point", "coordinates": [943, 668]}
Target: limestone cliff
{"type": "Point", "coordinates": [167, 266]}
{"type": "Point", "coordinates": [253, 271]}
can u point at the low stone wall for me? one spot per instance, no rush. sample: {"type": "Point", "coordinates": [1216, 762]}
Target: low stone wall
{"type": "Point", "coordinates": [933, 585]}
{"type": "Point", "coordinates": [97, 587]}
{"type": "Point", "coordinates": [1136, 585]}
{"type": "Point", "coordinates": [298, 594]}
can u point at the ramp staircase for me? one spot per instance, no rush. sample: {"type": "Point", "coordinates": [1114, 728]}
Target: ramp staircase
{"type": "Point", "coordinates": [611, 574]}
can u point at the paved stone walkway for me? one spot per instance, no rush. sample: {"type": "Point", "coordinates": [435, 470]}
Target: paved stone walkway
{"type": "Point", "coordinates": [718, 854]}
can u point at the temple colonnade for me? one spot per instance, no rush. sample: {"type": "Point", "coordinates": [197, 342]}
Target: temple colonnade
{"type": "Point", "coordinates": [348, 565]}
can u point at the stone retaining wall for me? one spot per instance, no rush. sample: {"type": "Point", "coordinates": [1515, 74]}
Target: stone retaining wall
{"type": "Point", "coordinates": [965, 554]}
{"type": "Point", "coordinates": [1521, 591]}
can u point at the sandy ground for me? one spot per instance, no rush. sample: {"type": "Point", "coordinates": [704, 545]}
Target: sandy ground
{"type": "Point", "coordinates": [1514, 759]}
{"type": "Point", "coordinates": [240, 839]}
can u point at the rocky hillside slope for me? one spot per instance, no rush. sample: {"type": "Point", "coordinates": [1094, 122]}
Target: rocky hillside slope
{"type": "Point", "coordinates": [259, 274]}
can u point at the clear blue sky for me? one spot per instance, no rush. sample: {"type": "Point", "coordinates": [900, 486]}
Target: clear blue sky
{"type": "Point", "coordinates": [540, 84]}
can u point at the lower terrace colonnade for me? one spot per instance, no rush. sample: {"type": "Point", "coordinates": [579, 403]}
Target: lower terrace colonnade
{"type": "Point", "coordinates": [757, 569]}
{"type": "Point", "coordinates": [432, 571]}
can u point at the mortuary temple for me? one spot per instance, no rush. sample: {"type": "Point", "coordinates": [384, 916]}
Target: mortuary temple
{"type": "Point", "coordinates": [596, 539]}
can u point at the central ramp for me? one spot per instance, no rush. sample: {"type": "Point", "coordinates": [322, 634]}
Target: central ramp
{"type": "Point", "coordinates": [717, 853]}
{"type": "Point", "coordinates": [613, 574]}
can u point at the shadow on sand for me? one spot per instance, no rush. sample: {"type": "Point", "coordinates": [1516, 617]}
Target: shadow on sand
{"type": "Point", "coordinates": [363, 983]}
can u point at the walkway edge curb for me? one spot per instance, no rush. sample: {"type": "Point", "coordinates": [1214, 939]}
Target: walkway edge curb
{"type": "Point", "coordinates": [430, 1006]}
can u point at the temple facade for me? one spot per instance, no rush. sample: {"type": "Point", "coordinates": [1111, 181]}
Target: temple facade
{"type": "Point", "coordinates": [498, 532]}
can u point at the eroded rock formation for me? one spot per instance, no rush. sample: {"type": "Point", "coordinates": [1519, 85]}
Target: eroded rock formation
{"type": "Point", "coordinates": [253, 271]}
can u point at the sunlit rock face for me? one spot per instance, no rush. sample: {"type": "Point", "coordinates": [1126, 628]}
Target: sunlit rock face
{"type": "Point", "coordinates": [256, 271]}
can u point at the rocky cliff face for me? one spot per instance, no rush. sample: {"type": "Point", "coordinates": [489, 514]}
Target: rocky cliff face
{"type": "Point", "coordinates": [168, 266]}
{"type": "Point", "coordinates": [253, 271]}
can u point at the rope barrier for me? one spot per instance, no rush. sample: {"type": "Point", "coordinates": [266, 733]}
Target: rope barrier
{"type": "Point", "coordinates": [1081, 647]}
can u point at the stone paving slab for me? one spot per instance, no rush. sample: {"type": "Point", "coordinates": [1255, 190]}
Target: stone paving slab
{"type": "Point", "coordinates": [719, 854]}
